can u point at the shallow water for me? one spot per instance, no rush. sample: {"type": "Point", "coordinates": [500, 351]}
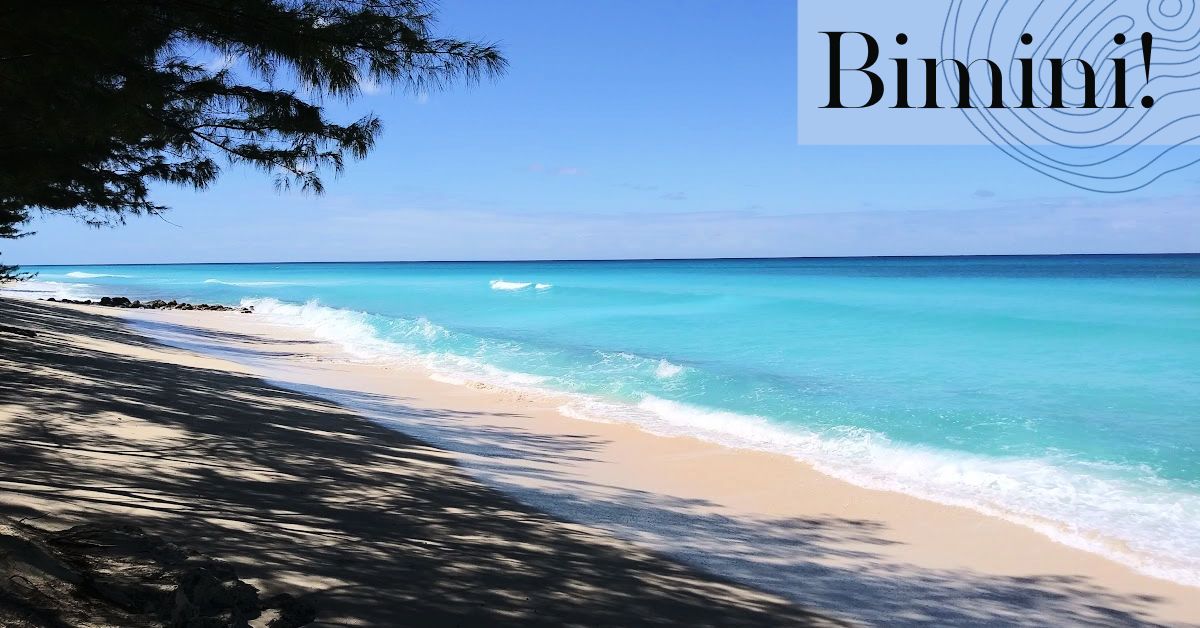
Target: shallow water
{"type": "Point", "coordinates": [1062, 392]}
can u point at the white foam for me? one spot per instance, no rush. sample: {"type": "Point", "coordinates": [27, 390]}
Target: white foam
{"type": "Point", "coordinates": [666, 370]}
{"type": "Point", "coordinates": [425, 329]}
{"type": "Point", "coordinates": [344, 327]}
{"type": "Point", "coordinates": [543, 286]}
{"type": "Point", "coordinates": [82, 275]}
{"type": "Point", "coordinates": [476, 370]}
{"type": "Point", "coordinates": [354, 332]}
{"type": "Point", "coordinates": [500, 284]}
{"type": "Point", "coordinates": [34, 289]}
{"type": "Point", "coordinates": [1144, 524]}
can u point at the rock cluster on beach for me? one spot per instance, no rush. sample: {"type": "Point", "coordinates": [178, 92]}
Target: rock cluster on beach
{"type": "Point", "coordinates": [157, 304]}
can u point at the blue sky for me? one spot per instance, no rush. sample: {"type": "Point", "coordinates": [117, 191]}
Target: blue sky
{"type": "Point", "coordinates": [630, 129]}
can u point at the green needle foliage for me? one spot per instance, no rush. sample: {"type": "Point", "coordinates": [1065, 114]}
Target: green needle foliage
{"type": "Point", "coordinates": [100, 99]}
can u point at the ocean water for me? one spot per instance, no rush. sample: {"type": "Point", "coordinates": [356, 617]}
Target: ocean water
{"type": "Point", "coordinates": [1060, 392]}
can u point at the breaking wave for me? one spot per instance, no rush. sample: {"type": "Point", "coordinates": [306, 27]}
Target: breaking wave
{"type": "Point", "coordinates": [500, 284]}
{"type": "Point", "coordinates": [82, 275]}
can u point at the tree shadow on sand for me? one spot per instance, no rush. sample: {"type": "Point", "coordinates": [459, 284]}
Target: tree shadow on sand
{"type": "Point", "coordinates": [822, 562]}
{"type": "Point", "coordinates": [379, 528]}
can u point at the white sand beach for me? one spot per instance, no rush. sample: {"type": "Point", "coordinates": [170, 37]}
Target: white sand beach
{"type": "Point", "coordinates": [787, 535]}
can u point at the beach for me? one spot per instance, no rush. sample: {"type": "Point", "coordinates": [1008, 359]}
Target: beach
{"type": "Point", "coordinates": [376, 489]}
{"type": "Point", "coordinates": [408, 313]}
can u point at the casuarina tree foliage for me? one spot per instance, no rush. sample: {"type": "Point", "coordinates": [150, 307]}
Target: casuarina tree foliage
{"type": "Point", "coordinates": [101, 99]}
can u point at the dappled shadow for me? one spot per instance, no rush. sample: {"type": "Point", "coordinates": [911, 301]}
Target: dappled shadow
{"type": "Point", "coordinates": [375, 527]}
{"type": "Point", "coordinates": [305, 495]}
{"type": "Point", "coordinates": [824, 562]}
{"type": "Point", "coordinates": [225, 343]}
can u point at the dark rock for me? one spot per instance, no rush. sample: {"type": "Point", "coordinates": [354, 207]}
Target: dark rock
{"type": "Point", "coordinates": [211, 591]}
{"type": "Point", "coordinates": [157, 304]}
{"type": "Point", "coordinates": [247, 310]}
{"type": "Point", "coordinates": [293, 612]}
{"type": "Point", "coordinates": [114, 301]}
{"type": "Point", "coordinates": [132, 578]}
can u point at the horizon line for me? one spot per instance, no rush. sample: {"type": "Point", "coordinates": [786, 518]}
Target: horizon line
{"type": "Point", "coordinates": [638, 259]}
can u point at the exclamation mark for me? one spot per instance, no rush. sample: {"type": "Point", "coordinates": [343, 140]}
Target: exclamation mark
{"type": "Point", "coordinates": [1147, 45]}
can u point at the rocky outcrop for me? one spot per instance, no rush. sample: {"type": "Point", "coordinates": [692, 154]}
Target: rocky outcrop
{"type": "Point", "coordinates": [157, 304]}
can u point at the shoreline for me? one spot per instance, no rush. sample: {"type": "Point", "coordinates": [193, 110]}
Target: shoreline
{"type": "Point", "coordinates": [566, 405]}
{"type": "Point", "coordinates": [103, 426]}
{"type": "Point", "coordinates": [621, 478]}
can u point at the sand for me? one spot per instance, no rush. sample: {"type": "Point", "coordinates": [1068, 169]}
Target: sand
{"type": "Point", "coordinates": [503, 507]}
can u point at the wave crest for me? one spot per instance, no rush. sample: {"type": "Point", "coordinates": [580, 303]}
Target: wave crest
{"type": "Point", "coordinates": [666, 370]}
{"type": "Point", "coordinates": [1134, 520]}
{"type": "Point", "coordinates": [78, 274]}
{"type": "Point", "coordinates": [500, 284]}
{"type": "Point", "coordinates": [34, 289]}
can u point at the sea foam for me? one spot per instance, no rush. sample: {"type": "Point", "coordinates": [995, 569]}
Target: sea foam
{"type": "Point", "coordinates": [351, 330]}
{"type": "Point", "coordinates": [500, 284]}
{"type": "Point", "coordinates": [1140, 522]}
{"type": "Point", "coordinates": [666, 370]}
{"type": "Point", "coordinates": [1155, 531]}
{"type": "Point", "coordinates": [406, 340]}
{"type": "Point", "coordinates": [82, 275]}
{"type": "Point", "coordinates": [36, 289]}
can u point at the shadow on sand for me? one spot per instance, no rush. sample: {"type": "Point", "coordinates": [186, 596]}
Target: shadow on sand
{"type": "Point", "coordinates": [378, 528]}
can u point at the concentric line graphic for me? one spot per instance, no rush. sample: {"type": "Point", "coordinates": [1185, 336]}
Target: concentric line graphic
{"type": "Point", "coordinates": [1106, 148]}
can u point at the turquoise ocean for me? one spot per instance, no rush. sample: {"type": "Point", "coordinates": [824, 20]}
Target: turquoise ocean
{"type": "Point", "coordinates": [1062, 392]}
